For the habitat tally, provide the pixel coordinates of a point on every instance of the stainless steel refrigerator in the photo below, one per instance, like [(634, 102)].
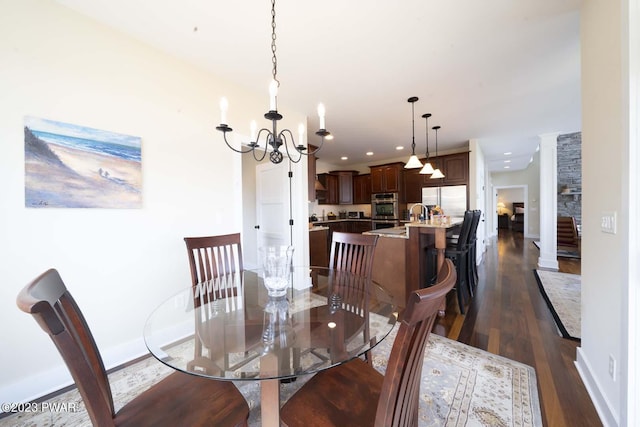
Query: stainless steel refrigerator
[(452, 199)]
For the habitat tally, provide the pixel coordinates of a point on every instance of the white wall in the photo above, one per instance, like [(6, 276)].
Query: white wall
[(604, 256), (119, 264), (478, 183)]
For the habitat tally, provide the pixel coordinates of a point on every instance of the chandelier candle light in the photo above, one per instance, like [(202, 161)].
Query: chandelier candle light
[(437, 173), (273, 139), (413, 162), (427, 169)]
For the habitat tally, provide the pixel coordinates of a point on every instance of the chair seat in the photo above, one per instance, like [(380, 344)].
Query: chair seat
[(356, 394), (346, 395), (179, 399)]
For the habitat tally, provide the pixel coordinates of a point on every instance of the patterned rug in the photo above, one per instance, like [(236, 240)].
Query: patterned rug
[(561, 291), (461, 386)]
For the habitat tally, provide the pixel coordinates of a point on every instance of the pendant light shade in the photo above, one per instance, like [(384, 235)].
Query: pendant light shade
[(437, 173), (427, 168), (413, 162)]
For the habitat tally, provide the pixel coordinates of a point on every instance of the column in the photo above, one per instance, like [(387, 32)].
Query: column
[(548, 201)]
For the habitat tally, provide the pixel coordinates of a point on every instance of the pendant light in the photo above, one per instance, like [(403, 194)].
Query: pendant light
[(437, 173), (413, 162), (427, 169)]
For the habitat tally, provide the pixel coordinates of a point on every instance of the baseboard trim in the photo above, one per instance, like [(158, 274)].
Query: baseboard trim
[(56, 380), (607, 416)]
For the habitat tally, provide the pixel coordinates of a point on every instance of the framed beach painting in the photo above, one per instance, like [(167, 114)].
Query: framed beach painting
[(73, 166)]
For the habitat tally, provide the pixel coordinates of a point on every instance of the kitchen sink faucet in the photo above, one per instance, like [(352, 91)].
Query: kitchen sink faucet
[(426, 210)]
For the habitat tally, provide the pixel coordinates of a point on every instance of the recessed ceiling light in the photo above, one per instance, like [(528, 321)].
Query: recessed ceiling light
[(508, 153), (344, 158), (507, 167), (329, 137), (507, 161), (369, 153), (531, 159), (399, 147)]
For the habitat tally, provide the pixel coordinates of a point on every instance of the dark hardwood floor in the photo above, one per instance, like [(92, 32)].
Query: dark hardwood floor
[(509, 317)]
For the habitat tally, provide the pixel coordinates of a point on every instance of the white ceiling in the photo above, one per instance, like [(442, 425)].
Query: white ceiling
[(500, 71)]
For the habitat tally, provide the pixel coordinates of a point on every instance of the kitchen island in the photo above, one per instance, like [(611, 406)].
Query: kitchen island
[(400, 261)]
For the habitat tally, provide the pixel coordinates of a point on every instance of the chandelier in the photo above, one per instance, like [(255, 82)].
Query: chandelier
[(272, 139)]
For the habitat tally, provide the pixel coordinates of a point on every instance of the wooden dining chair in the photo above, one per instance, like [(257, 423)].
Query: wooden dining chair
[(179, 399), (213, 256), (215, 263), (357, 394), (351, 266)]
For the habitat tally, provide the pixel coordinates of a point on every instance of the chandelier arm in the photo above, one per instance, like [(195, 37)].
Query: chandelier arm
[(309, 153), (257, 148), (224, 134), (285, 142)]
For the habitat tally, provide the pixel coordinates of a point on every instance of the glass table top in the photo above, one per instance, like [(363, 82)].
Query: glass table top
[(228, 327)]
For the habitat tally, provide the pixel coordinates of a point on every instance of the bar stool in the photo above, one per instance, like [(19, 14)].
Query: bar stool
[(459, 254)]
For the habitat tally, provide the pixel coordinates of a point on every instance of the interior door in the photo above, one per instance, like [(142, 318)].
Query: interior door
[(272, 205)]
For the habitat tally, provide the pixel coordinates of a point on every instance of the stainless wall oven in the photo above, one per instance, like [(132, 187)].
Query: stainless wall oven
[(384, 206)]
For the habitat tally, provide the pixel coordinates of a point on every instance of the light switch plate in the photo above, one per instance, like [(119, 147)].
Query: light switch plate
[(608, 222)]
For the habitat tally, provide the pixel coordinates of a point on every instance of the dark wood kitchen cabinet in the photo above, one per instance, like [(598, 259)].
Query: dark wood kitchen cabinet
[(345, 186), (386, 178), (362, 189), (330, 195), (318, 248), (413, 183), (311, 173), (456, 169)]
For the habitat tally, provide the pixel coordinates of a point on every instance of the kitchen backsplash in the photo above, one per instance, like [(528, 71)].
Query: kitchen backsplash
[(322, 211)]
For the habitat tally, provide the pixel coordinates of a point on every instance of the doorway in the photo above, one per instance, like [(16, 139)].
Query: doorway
[(511, 210)]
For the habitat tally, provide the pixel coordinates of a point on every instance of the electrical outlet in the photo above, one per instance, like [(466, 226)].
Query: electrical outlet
[(608, 222), (612, 367)]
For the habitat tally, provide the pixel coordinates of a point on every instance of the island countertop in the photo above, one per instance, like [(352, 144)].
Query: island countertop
[(402, 231)]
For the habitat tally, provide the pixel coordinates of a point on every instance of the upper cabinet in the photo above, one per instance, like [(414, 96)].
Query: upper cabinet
[(387, 178), (455, 168), (338, 188), (345, 186), (413, 183), (330, 194), (362, 189), (311, 171)]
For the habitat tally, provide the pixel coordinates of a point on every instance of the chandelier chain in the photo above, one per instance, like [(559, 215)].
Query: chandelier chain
[(274, 59)]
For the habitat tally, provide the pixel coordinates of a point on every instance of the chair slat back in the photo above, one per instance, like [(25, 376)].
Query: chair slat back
[(473, 232), (351, 263), (399, 400), (212, 258), (47, 299), (465, 231)]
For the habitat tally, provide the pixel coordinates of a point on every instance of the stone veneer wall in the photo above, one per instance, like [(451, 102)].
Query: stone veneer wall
[(570, 173)]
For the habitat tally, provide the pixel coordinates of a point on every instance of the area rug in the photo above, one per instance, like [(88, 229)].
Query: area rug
[(562, 253), (561, 291), (461, 386)]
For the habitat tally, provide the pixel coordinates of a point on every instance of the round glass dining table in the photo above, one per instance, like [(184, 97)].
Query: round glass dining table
[(229, 328)]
